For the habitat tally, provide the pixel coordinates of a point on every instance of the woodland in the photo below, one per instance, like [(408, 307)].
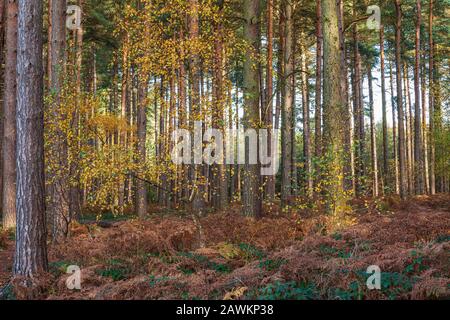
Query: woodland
[(351, 96)]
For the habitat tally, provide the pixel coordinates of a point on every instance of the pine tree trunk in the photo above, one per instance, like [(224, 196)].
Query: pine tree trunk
[(182, 114), (418, 151), (287, 106), (236, 182), (384, 107), (75, 189), (401, 127), (269, 180), (358, 106), (252, 199), (431, 101), (280, 66), (195, 70), (9, 118), (318, 90), (219, 183), (123, 112), (293, 86), (31, 236), (170, 144), (394, 133), (306, 125), (373, 136), (49, 44), (141, 202), (424, 124), (333, 111), (59, 189), (409, 131), (349, 166), (2, 86)]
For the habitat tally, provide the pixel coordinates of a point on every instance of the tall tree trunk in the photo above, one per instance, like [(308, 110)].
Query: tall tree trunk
[(401, 127), (409, 129), (252, 199), (318, 91), (373, 136), (141, 202), (431, 100), (287, 106), (418, 151), (280, 65), (171, 128), (49, 44), (306, 125), (293, 86), (333, 110), (424, 124), (384, 107), (394, 134), (75, 188), (349, 166), (182, 114), (123, 113), (219, 183), (3, 14), (269, 180), (59, 193), (195, 70), (3, 8), (31, 236), (9, 118), (358, 112), (163, 195)]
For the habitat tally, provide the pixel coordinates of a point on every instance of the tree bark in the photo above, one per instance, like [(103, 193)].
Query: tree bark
[(418, 151), (123, 113), (198, 180), (431, 100), (75, 187), (318, 91), (358, 107), (9, 118), (219, 183), (424, 124), (252, 199), (409, 129), (269, 180), (373, 136), (287, 106), (3, 14), (31, 237), (59, 189), (394, 134), (349, 166), (49, 44), (401, 128), (333, 110), (141, 202), (384, 107), (182, 114), (280, 65), (307, 153)]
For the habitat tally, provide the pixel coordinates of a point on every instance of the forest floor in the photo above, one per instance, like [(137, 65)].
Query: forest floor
[(300, 255)]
